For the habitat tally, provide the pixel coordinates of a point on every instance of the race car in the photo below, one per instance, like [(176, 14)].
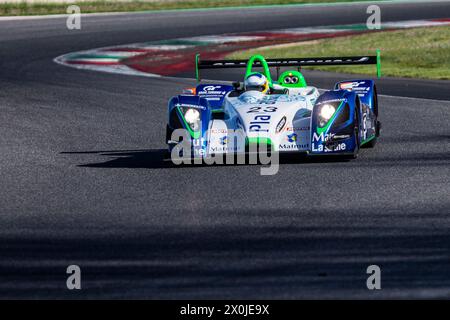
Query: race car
[(286, 115)]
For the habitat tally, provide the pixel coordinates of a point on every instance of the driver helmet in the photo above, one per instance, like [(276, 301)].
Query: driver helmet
[(256, 82)]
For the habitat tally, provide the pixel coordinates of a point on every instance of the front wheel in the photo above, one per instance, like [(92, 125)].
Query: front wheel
[(373, 142), (356, 133)]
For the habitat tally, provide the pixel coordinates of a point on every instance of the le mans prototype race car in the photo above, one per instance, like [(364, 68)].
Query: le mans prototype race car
[(289, 117)]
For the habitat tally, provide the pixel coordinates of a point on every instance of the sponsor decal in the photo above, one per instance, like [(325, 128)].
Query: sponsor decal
[(328, 137), (322, 137), (340, 147), (307, 128), (354, 86), (223, 149), (324, 143), (261, 121), (199, 147), (336, 147), (259, 124), (223, 140), (292, 144), (200, 142), (219, 131), (331, 101), (286, 146), (185, 105), (341, 136), (199, 152), (292, 137), (212, 90)]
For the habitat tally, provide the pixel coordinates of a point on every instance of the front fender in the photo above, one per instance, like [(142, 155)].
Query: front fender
[(365, 89), (176, 109), (336, 134)]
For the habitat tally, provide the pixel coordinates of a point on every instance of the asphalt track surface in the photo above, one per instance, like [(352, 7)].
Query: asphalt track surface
[(83, 181)]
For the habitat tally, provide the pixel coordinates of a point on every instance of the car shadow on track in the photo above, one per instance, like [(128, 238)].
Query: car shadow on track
[(160, 158)]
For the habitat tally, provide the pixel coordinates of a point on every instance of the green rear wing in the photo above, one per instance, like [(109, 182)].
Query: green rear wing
[(259, 61)]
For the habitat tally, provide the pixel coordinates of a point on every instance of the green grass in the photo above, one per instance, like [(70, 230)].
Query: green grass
[(24, 8), (413, 53)]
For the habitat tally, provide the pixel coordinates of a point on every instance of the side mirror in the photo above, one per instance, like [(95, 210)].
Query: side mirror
[(236, 85)]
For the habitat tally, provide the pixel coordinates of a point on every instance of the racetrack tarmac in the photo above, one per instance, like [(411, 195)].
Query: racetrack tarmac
[(83, 181)]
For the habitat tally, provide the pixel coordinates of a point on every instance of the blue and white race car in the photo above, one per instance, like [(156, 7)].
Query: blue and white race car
[(285, 115)]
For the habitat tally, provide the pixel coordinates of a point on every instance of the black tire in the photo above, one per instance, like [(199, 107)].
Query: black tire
[(375, 101), (356, 121), (371, 143), (168, 133)]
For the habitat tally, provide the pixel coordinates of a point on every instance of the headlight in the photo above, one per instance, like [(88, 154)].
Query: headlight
[(192, 117), (327, 111)]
